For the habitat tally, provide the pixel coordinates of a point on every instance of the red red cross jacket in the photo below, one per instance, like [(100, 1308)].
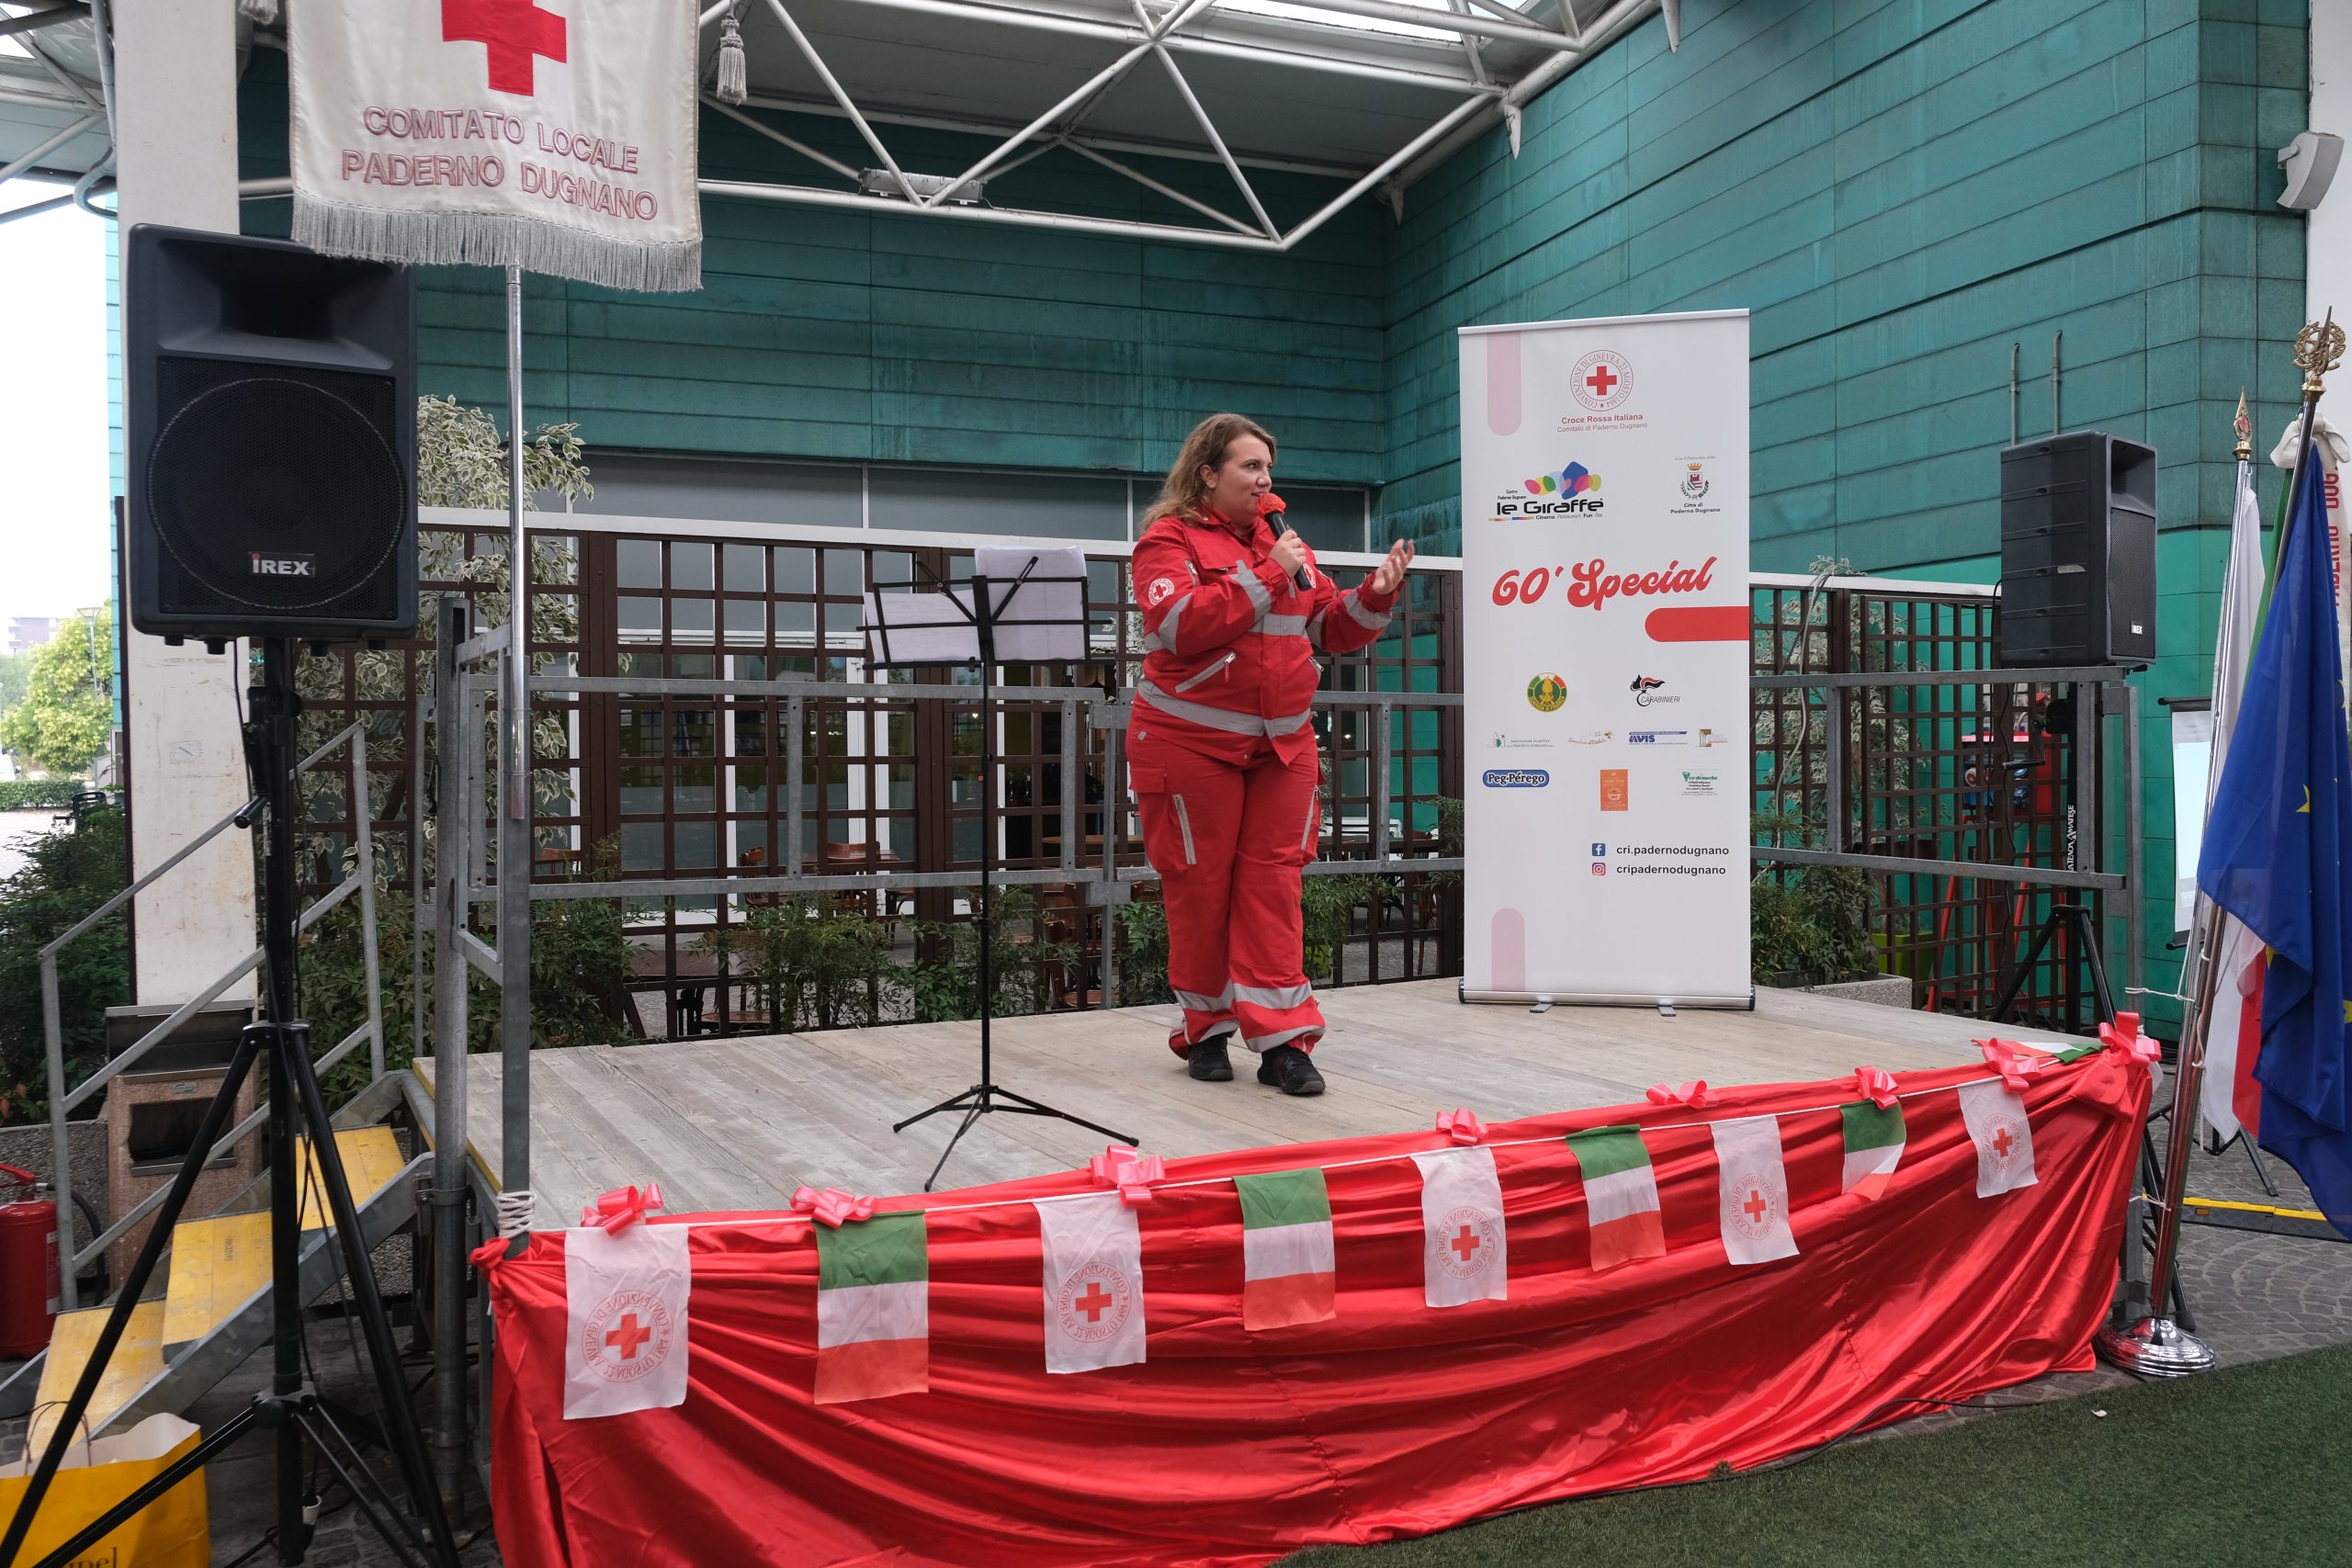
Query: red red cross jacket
[(1230, 642)]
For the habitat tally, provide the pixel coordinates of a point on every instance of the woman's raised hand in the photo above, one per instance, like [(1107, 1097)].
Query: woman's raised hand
[(1389, 575)]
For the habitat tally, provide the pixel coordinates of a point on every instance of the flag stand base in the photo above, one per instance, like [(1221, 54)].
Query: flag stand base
[(2154, 1348)]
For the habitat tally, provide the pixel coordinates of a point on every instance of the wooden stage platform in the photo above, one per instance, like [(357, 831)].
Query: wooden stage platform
[(738, 1124)]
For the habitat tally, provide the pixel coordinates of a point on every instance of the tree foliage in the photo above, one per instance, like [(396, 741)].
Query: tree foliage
[(65, 875), (16, 679), (61, 723)]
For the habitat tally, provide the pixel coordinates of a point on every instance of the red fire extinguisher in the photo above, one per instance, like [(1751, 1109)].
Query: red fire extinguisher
[(28, 1281)]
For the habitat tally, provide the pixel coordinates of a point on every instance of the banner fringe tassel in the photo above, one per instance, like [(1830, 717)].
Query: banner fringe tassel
[(335, 227), (734, 85)]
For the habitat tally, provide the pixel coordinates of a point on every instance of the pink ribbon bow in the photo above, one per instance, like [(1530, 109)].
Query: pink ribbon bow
[(615, 1211), (2007, 1058), (1695, 1094), (1130, 1171), (831, 1208), (1875, 1084), (1461, 1125), (2125, 1035)]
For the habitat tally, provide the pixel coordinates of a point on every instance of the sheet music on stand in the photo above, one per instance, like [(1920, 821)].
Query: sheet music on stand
[(1036, 613)]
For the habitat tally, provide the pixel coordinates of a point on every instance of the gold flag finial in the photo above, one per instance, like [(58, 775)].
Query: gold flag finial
[(2245, 427), (2319, 348)]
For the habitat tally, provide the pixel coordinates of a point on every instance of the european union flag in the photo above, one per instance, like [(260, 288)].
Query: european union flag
[(2274, 856)]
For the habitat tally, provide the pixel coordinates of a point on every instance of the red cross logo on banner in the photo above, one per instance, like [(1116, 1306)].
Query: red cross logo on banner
[(1601, 380), (516, 32), (2003, 1142), (629, 1337), (1756, 1207), (1465, 1244), (1095, 1302)]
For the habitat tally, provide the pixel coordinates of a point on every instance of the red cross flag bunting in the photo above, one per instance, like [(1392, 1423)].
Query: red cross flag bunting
[(626, 1320), (1093, 1256), (1996, 1126), (1465, 1255), (1752, 1191), (554, 135)]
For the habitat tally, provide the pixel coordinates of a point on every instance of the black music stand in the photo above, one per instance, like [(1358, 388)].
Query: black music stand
[(964, 638)]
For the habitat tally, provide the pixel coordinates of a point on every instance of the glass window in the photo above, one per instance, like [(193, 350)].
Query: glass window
[(727, 490), (690, 565), (1076, 506), (746, 569), (640, 562)]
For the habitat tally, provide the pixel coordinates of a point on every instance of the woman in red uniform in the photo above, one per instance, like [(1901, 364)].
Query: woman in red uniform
[(1221, 754)]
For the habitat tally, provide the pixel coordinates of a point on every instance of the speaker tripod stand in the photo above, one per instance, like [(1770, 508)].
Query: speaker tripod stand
[(302, 1422)]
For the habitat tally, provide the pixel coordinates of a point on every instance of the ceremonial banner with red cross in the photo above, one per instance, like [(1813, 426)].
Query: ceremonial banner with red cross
[(554, 135), (1207, 1441)]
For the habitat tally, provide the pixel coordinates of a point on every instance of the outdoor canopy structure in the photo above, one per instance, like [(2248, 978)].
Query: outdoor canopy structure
[(1375, 93)]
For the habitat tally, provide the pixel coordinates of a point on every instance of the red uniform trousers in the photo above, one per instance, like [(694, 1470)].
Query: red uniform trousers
[(1228, 842)]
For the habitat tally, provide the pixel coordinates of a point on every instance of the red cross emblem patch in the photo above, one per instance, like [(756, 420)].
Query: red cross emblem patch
[(517, 34)]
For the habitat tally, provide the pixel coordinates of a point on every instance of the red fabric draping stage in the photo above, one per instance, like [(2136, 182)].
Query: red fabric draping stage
[(1392, 1417)]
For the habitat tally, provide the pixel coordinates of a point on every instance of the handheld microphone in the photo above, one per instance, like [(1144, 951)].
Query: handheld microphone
[(1272, 507)]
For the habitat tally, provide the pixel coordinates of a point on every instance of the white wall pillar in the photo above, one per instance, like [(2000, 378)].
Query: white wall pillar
[(2327, 233), (176, 120)]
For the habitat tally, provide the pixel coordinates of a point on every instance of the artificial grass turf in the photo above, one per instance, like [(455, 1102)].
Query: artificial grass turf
[(2253, 1465)]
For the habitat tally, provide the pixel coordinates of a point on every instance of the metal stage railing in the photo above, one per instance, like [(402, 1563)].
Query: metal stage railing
[(361, 881), (2000, 700)]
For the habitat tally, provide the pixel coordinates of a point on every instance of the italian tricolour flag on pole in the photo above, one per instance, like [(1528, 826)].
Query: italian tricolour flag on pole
[(872, 1308), (1873, 1146), (1289, 1274), (1619, 1196)]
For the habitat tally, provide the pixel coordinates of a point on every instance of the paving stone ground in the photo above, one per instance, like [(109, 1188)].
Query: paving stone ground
[(2254, 1295)]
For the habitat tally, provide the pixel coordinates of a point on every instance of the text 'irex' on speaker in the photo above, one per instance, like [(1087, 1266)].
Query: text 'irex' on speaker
[(270, 425), (2079, 552)]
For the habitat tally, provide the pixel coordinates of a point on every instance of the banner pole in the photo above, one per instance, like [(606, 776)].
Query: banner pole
[(514, 835)]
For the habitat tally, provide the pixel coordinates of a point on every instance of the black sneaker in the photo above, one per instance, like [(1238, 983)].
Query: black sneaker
[(1209, 1062), (1289, 1069)]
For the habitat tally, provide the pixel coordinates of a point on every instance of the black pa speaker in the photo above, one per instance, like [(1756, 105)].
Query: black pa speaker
[(269, 412), (2079, 552)]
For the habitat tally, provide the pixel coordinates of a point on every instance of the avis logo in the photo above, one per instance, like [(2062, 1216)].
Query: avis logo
[(1517, 778), (260, 565), (1648, 691)]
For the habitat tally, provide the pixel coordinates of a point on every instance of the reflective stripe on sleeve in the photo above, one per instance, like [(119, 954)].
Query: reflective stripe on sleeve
[(1370, 620)]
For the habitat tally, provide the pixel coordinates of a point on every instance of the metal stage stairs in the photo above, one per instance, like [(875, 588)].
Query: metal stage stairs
[(215, 1312)]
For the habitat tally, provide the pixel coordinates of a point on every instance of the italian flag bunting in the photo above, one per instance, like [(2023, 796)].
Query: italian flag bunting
[(1289, 1275), (1465, 1257), (1752, 1198), (1996, 1124), (1619, 1196), (872, 1308), (1873, 1145)]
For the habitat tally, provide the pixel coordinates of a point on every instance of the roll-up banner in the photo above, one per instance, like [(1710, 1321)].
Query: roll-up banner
[(1605, 655)]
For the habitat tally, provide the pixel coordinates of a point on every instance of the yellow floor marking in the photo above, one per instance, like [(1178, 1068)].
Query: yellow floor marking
[(217, 1265), (137, 1362), (371, 1157), (2253, 1208)]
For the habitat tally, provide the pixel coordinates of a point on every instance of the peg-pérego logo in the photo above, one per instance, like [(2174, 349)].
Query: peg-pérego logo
[(260, 565)]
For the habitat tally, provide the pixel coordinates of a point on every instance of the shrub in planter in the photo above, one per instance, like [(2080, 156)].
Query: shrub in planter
[(1812, 929)]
